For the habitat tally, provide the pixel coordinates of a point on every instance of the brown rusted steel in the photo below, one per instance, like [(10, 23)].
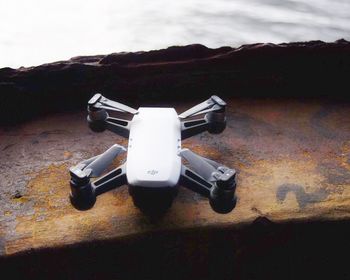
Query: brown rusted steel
[(292, 158)]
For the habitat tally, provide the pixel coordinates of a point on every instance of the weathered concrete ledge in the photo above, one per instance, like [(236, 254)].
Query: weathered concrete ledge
[(295, 69)]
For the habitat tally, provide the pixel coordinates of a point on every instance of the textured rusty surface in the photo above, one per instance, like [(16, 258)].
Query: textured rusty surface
[(292, 158)]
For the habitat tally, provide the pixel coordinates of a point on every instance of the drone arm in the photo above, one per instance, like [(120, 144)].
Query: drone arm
[(113, 179), (98, 101), (211, 179), (214, 120), (194, 182), (83, 192), (193, 127), (94, 167), (118, 126), (99, 119), (214, 103)]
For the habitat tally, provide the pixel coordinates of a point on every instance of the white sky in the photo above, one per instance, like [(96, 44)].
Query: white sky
[(38, 31)]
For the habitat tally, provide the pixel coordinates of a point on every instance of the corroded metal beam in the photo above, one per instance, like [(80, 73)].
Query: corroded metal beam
[(292, 159)]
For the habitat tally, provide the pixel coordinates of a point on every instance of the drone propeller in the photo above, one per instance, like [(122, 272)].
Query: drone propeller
[(100, 102), (95, 166), (200, 165), (99, 163), (214, 103)]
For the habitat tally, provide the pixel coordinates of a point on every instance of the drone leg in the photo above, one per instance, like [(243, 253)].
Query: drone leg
[(99, 119), (211, 179), (83, 197), (112, 180), (193, 127), (83, 192), (194, 182), (213, 122)]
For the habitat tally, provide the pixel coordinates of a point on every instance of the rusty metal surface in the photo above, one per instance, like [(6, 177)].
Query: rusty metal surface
[(292, 158)]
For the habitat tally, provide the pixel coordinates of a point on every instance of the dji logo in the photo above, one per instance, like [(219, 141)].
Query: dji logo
[(152, 172)]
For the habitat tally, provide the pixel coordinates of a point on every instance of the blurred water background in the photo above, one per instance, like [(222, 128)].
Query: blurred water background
[(39, 31)]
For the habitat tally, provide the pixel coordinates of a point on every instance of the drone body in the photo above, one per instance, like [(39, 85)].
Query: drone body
[(154, 145), (153, 168)]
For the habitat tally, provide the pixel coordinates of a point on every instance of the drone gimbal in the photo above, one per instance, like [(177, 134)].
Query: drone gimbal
[(153, 167)]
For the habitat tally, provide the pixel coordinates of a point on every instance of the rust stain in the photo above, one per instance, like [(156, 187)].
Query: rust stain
[(67, 154), (292, 162), (21, 199), (53, 214)]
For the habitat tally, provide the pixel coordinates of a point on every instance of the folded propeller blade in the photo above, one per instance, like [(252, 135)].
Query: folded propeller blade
[(214, 103), (110, 105), (101, 102), (101, 162), (199, 164)]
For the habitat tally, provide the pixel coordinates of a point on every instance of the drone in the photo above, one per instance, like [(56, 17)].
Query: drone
[(155, 164)]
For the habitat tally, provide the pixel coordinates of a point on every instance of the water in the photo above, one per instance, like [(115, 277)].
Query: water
[(40, 31)]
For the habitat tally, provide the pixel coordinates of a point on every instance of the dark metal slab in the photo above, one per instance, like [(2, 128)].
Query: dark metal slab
[(292, 158)]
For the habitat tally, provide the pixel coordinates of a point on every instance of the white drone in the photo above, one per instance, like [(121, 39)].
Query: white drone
[(153, 168)]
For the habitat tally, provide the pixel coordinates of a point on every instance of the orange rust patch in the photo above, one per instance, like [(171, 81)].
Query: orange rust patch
[(67, 155), (202, 149), (288, 156), (22, 199), (55, 221)]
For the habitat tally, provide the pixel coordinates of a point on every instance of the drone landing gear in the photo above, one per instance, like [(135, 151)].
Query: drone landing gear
[(82, 194), (83, 191), (153, 200), (222, 196), (209, 178)]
